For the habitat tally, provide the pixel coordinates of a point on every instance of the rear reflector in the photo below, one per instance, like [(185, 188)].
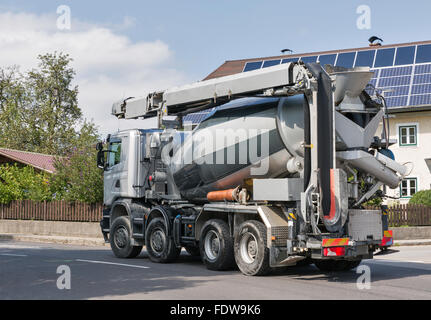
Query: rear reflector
[(335, 242), (387, 239), (334, 251)]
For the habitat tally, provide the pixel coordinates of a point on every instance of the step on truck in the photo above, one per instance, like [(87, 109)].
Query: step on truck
[(276, 174)]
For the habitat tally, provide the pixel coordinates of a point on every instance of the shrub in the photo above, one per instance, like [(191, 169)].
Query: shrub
[(421, 197), (22, 183)]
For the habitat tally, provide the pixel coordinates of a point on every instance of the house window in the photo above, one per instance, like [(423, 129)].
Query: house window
[(408, 187), (408, 135)]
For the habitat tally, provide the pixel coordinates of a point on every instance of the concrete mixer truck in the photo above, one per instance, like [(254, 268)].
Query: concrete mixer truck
[(276, 175)]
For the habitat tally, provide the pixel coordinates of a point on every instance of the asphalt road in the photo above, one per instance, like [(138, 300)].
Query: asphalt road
[(29, 271)]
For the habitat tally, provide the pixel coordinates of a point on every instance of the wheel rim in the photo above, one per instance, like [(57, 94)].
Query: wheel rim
[(212, 245), (158, 240), (248, 247), (121, 237)]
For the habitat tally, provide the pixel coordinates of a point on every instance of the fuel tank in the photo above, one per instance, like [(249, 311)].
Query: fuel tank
[(257, 137)]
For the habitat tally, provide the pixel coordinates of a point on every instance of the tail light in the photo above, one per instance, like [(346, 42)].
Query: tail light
[(334, 251)]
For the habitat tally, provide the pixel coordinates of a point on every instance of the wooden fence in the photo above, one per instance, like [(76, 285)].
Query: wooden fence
[(409, 215), (51, 211), (399, 215)]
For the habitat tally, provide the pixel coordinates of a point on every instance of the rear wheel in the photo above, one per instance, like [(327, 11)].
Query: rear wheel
[(121, 239), (251, 252), (160, 247), (216, 245)]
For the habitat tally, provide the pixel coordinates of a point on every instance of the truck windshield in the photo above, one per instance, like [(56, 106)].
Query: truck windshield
[(114, 155)]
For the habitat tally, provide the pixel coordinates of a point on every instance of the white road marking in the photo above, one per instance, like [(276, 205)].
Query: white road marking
[(17, 246), (398, 261), (113, 263), (13, 255)]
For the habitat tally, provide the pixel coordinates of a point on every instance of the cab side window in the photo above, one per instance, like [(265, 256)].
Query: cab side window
[(114, 155)]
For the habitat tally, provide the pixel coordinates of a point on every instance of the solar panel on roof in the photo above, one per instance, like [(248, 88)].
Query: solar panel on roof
[(394, 81), (384, 58), (345, 59), (289, 60), (309, 59), (396, 91), (422, 78), (365, 58), (395, 69), (417, 100), (421, 88), (425, 68), (423, 53), (249, 66), (405, 55), (397, 101), (327, 59), (270, 63)]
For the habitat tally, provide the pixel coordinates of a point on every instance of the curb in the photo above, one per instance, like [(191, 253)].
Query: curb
[(416, 242), (54, 239)]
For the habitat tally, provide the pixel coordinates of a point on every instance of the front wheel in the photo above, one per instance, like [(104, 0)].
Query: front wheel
[(160, 247), (251, 252), (121, 240)]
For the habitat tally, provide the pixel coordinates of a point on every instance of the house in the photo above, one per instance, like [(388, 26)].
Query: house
[(40, 162), (403, 73)]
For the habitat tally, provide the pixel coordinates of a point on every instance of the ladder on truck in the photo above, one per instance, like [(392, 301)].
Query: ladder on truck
[(284, 79)]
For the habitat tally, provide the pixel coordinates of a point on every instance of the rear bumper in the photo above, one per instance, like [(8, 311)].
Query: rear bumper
[(351, 250)]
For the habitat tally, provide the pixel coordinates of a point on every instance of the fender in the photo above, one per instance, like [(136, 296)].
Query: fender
[(168, 215), (133, 210), (125, 203)]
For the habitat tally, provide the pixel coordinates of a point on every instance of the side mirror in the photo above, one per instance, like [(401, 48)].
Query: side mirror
[(99, 146), (101, 159)]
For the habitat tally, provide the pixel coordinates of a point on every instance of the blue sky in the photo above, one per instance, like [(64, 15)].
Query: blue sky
[(195, 37)]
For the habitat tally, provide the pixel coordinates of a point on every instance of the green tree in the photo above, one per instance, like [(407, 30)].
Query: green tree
[(13, 100), (39, 112), (53, 112), (77, 177)]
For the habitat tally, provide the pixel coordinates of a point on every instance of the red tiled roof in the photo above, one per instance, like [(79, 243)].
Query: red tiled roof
[(39, 161)]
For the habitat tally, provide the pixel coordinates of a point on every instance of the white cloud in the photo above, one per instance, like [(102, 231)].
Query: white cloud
[(109, 65)]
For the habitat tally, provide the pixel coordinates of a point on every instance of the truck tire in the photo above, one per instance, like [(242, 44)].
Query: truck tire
[(336, 265), (193, 251), (121, 239), (160, 247), (216, 245), (251, 252)]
